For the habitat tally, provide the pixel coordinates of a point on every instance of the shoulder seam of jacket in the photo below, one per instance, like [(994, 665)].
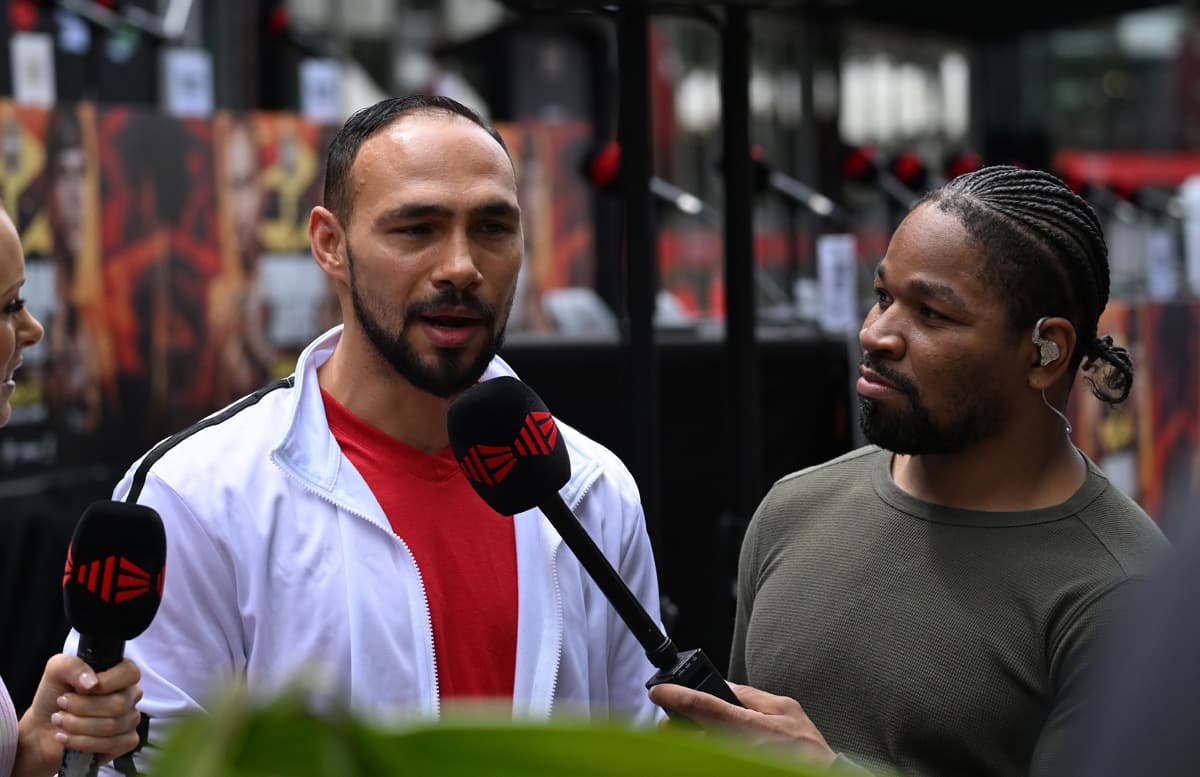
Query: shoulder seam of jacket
[(160, 450)]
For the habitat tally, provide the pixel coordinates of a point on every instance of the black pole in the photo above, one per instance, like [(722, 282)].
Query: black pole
[(641, 271), (741, 351), (233, 32)]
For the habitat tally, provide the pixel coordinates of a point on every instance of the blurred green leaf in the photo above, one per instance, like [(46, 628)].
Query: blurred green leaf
[(286, 738)]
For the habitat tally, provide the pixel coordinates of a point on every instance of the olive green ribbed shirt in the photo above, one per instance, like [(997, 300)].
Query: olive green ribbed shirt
[(934, 641)]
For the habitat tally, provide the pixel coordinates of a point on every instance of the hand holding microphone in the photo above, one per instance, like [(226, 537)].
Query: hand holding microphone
[(112, 586), (510, 449), (81, 709)]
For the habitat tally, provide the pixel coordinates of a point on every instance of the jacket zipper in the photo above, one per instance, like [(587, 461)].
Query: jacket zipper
[(437, 693), (558, 614), (558, 611)]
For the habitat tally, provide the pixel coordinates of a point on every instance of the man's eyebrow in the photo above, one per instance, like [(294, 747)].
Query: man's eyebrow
[(939, 291), (502, 208), (943, 292), (417, 210)]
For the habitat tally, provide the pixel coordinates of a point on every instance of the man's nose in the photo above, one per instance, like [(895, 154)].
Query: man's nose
[(456, 266), (880, 334)]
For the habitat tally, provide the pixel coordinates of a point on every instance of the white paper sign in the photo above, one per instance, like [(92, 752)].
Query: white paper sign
[(187, 82), (836, 265), (1162, 264), (1189, 196), (32, 58), (321, 90), (1126, 258)]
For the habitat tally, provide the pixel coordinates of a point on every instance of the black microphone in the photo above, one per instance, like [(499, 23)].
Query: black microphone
[(112, 586), (510, 449)]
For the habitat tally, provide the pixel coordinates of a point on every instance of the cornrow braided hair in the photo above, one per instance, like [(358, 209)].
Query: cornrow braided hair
[(1045, 252)]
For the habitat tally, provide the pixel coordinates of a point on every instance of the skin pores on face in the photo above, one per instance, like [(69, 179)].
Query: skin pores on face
[(435, 244), (18, 328), (939, 371)]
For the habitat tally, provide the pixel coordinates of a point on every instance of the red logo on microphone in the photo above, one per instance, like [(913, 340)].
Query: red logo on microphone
[(114, 579), (490, 464)]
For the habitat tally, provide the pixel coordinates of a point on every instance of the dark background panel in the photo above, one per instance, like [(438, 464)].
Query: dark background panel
[(804, 417)]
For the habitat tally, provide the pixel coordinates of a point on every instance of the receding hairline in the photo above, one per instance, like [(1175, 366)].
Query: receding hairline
[(431, 112), (350, 194)]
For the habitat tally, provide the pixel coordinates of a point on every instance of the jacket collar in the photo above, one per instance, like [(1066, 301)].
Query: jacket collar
[(308, 450)]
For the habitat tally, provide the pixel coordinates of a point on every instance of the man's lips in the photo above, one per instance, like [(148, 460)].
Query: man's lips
[(451, 321), (874, 386), (451, 328), (451, 317)]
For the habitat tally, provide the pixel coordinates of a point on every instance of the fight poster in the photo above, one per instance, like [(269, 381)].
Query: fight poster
[(28, 445), (270, 299), (1149, 446), (556, 213), (159, 254)]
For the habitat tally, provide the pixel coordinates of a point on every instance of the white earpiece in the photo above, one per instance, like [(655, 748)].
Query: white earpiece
[(1048, 352)]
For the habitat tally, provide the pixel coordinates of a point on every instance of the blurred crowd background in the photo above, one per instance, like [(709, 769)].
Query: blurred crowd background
[(160, 158)]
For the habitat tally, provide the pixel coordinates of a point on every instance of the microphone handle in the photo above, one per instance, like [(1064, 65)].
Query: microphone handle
[(691, 668), (100, 654), (659, 648)]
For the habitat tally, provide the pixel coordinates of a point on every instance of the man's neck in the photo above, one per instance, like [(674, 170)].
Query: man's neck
[(372, 391), (996, 476)]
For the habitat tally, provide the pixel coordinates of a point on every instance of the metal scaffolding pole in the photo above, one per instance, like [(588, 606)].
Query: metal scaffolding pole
[(641, 272), (741, 349)]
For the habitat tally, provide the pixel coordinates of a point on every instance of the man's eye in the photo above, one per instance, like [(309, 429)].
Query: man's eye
[(932, 314), (882, 296)]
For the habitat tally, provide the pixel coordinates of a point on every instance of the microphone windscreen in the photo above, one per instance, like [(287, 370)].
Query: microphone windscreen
[(113, 580), (508, 445)]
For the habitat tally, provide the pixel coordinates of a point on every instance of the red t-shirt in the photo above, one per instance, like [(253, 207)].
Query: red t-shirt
[(466, 553)]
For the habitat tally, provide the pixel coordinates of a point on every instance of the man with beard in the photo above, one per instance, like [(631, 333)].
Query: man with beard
[(321, 527), (930, 604)]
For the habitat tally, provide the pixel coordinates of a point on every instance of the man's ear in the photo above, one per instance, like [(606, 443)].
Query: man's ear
[(328, 242), (1051, 343)]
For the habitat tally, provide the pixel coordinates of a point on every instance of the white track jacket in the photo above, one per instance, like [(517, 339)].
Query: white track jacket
[(281, 565)]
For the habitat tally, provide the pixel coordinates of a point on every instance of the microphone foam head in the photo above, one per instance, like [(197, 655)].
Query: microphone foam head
[(113, 580), (508, 445)]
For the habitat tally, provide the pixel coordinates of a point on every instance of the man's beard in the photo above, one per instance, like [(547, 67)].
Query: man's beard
[(913, 429), (448, 375)]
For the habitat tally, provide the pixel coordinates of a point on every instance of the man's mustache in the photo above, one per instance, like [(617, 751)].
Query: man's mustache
[(451, 298)]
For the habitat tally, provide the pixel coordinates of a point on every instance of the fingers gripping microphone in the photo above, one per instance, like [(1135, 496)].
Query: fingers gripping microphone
[(510, 449), (112, 585)]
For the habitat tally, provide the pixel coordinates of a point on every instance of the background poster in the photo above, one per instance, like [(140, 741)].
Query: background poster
[(28, 445), (160, 253), (1149, 446)]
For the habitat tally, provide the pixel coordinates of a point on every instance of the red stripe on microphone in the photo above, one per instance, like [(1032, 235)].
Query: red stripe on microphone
[(132, 593), (134, 569), (503, 471), (106, 592), (487, 478), (537, 434)]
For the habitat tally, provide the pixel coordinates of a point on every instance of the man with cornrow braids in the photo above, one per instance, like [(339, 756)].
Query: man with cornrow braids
[(930, 604)]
